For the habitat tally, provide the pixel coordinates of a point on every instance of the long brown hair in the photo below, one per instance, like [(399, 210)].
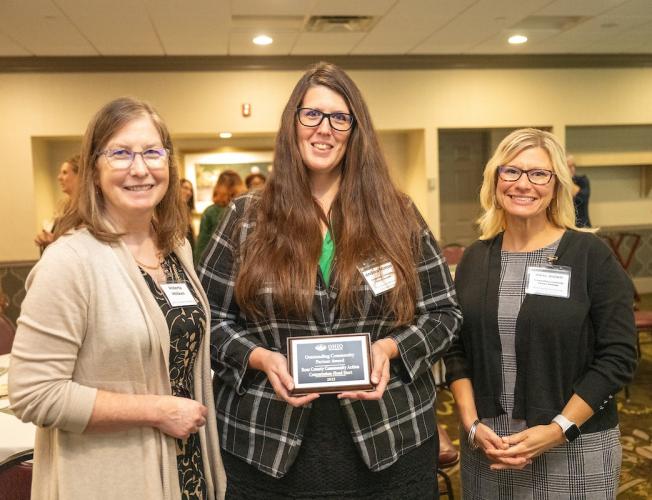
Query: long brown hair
[(370, 219), (87, 209)]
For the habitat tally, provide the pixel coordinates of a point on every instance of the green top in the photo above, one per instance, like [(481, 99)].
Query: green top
[(326, 258), (210, 220)]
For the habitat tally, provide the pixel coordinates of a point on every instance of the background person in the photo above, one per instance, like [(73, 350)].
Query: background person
[(284, 263), (536, 362), (68, 174), (229, 185), (188, 199), (255, 181), (581, 191), (114, 373)]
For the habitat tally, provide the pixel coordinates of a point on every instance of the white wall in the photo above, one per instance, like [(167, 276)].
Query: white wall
[(202, 103)]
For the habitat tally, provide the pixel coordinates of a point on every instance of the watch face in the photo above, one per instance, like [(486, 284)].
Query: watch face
[(572, 433)]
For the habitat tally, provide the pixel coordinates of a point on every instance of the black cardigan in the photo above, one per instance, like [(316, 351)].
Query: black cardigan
[(583, 345)]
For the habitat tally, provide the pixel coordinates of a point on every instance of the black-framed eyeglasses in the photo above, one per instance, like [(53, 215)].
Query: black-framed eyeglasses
[(538, 176), (122, 158), (309, 117)]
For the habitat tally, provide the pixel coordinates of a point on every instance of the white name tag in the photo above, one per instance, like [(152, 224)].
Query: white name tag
[(551, 281), (379, 278), (178, 294)]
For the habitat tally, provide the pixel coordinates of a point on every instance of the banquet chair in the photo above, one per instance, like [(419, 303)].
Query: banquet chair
[(16, 476), (7, 332), (643, 321), (453, 254)]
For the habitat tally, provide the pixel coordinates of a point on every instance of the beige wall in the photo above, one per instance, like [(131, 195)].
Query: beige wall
[(201, 103)]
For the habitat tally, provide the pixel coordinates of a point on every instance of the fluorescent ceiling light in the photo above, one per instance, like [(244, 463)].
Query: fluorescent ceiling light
[(517, 39), (262, 40), (225, 135)]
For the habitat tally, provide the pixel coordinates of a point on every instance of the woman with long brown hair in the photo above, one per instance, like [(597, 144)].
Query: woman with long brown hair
[(287, 262)]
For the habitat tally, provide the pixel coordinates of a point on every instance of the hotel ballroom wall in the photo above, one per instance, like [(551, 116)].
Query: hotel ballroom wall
[(43, 115)]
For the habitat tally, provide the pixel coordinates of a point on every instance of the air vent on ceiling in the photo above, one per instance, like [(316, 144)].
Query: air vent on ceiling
[(339, 24)]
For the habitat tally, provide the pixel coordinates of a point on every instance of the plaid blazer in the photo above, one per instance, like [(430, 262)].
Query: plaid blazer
[(266, 432)]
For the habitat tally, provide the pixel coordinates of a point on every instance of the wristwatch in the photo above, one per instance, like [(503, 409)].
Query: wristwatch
[(570, 430)]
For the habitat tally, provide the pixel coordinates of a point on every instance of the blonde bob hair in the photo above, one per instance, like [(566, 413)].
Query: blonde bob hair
[(88, 207), (560, 212)]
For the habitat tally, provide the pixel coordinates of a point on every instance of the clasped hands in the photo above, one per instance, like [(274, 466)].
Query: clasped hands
[(274, 364), (518, 450)]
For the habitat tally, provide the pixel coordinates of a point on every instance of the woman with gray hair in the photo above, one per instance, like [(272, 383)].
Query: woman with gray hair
[(548, 336)]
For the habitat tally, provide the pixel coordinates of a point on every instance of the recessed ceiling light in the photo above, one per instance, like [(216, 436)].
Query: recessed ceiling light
[(225, 135), (263, 40), (517, 39)]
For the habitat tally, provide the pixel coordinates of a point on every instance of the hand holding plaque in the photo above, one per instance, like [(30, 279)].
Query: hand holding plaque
[(330, 364)]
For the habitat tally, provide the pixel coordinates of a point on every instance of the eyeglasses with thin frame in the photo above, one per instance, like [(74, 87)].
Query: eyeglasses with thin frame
[(538, 176), (122, 158), (309, 117)]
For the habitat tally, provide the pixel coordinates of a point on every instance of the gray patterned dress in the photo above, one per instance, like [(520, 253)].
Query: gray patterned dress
[(588, 467)]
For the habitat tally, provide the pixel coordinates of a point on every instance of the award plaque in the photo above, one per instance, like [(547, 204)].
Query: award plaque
[(330, 364)]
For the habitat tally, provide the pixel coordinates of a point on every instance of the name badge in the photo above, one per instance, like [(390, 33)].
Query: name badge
[(551, 281), (178, 294), (379, 278)]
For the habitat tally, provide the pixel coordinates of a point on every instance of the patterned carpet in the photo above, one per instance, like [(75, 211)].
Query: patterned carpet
[(635, 425)]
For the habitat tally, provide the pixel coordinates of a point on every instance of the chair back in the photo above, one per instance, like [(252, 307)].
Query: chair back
[(16, 476), (453, 253), (7, 332)]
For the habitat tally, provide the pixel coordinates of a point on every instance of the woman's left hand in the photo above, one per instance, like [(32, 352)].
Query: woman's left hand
[(381, 352), (529, 443)]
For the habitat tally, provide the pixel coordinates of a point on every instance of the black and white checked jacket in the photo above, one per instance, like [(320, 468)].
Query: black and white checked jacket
[(263, 430)]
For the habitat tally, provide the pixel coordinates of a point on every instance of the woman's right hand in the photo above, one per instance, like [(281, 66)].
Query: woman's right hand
[(179, 417), (275, 366), (487, 440)]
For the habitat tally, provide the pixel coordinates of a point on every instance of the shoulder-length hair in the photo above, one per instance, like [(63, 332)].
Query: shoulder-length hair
[(88, 207), (229, 185), (560, 212), (370, 220)]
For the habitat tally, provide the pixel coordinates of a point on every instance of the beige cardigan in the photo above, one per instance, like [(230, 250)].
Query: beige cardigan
[(88, 322)]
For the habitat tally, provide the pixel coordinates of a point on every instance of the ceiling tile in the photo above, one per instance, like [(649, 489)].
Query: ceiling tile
[(409, 23), (633, 8), (42, 29), (271, 8), (114, 27), (9, 48), (325, 43), (479, 22), (202, 30), (578, 7), (349, 8)]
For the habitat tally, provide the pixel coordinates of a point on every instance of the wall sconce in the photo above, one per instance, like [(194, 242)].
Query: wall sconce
[(246, 109)]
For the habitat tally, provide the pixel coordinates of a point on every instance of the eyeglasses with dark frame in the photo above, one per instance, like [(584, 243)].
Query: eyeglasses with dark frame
[(309, 117), (122, 158), (537, 176)]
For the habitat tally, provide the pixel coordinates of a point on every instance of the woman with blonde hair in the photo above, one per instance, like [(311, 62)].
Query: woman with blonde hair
[(547, 339), (229, 185), (111, 354), (68, 180)]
